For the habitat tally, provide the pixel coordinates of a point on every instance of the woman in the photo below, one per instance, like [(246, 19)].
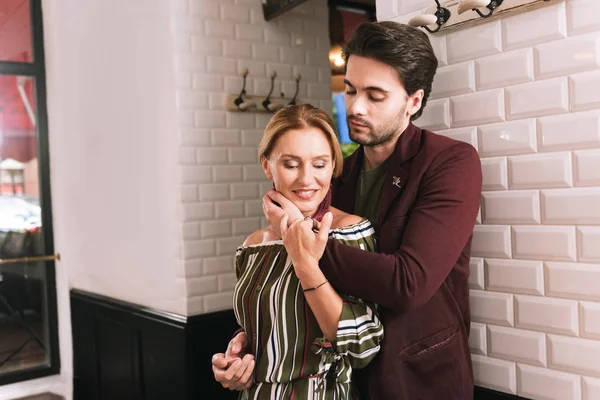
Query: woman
[(304, 336)]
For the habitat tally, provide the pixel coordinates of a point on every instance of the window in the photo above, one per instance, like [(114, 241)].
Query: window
[(28, 317)]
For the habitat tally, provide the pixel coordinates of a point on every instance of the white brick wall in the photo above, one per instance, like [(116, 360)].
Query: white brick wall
[(525, 91), (221, 182)]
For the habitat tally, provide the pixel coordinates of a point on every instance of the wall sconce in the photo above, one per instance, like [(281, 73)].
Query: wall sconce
[(439, 18), (467, 5)]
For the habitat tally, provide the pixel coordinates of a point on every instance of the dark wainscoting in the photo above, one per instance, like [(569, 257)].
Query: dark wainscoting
[(125, 351)]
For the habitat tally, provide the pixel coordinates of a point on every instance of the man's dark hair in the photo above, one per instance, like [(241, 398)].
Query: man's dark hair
[(406, 49)]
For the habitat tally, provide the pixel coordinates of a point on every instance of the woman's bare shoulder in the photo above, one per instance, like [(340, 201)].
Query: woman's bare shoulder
[(342, 219), (260, 236)]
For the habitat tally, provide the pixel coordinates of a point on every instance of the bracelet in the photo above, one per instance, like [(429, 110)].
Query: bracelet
[(316, 287)]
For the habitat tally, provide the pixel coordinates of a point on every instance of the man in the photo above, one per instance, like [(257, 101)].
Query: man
[(422, 191)]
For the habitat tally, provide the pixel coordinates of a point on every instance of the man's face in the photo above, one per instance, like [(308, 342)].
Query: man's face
[(378, 107)]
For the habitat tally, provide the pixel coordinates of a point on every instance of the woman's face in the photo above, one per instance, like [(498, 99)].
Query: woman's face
[(301, 165)]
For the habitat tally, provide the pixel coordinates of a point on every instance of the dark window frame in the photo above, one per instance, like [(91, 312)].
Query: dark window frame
[(37, 70)]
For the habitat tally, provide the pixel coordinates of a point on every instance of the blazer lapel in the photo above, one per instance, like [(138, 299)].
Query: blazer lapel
[(399, 168)]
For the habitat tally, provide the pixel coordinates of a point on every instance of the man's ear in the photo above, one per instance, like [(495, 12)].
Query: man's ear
[(414, 102), (265, 164)]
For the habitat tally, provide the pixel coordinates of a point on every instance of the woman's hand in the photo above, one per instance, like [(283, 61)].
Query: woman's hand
[(274, 213), (304, 246)]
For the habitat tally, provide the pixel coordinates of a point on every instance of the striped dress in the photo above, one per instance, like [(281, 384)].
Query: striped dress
[(293, 359)]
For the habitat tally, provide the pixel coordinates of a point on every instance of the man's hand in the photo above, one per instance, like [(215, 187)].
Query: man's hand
[(274, 213), (234, 369)]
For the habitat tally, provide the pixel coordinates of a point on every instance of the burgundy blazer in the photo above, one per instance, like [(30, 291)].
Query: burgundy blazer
[(427, 210)]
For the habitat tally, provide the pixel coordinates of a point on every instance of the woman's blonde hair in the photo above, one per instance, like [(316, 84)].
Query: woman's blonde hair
[(301, 116)]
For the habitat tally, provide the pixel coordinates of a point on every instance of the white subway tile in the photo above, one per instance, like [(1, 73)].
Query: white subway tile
[(478, 108), (476, 275), (544, 243), (468, 134), (507, 138), (582, 18), (306, 40), (185, 63), (571, 206), (191, 230), (584, 90), (542, 383), (195, 174), (492, 308), (198, 248), (251, 138), (212, 229), (265, 52), (211, 156), (218, 265), (308, 74), (196, 211), (491, 241), (227, 282), (247, 190), (546, 315), (590, 320), (183, 80), (209, 119), (219, 29), (237, 49), (239, 120), (478, 339), (538, 26), (440, 49), (573, 281), (436, 115), (588, 238), (217, 101), (228, 245), (517, 345), (192, 268), (218, 302), (291, 23), (254, 173), (186, 155), (242, 155), (205, 9), (494, 170), (386, 10), (591, 388), (494, 374), (536, 99), (453, 80), (236, 13), (275, 36), (537, 171), (220, 65), (229, 209), (245, 226), (586, 167), (567, 56), (250, 33), (583, 128), (514, 276), (227, 173), (207, 46), (191, 99), (214, 192), (225, 137), (253, 208), (292, 56), (511, 207), (188, 193), (319, 91), (574, 355), (185, 118), (317, 59), (194, 137), (202, 285), (407, 6), (505, 69), (195, 305), (475, 42)]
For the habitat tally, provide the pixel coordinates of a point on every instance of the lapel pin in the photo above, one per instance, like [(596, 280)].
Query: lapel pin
[(397, 181)]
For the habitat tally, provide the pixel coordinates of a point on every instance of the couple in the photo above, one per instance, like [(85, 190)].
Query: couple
[(306, 288)]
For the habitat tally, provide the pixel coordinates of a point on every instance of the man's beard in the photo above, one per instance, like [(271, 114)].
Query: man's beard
[(375, 136)]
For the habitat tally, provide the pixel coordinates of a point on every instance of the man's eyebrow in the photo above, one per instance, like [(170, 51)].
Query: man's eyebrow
[(368, 88)]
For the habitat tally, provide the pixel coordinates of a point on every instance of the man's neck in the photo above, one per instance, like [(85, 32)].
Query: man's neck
[(376, 155)]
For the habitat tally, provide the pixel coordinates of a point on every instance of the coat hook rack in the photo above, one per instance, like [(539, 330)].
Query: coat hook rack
[(242, 103), (297, 79), (267, 103)]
